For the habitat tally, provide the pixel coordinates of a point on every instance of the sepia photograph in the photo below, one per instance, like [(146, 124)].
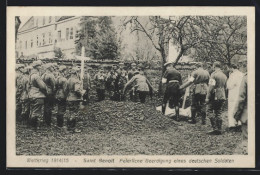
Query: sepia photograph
[(140, 84)]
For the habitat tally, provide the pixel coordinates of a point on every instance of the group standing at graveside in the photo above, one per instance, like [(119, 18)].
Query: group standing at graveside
[(41, 87)]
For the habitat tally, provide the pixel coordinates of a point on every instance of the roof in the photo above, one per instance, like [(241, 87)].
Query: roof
[(63, 18), (29, 24)]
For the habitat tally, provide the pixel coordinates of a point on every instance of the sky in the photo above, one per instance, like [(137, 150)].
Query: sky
[(24, 19)]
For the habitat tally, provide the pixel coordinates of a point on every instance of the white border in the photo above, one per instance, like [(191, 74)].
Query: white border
[(245, 161)]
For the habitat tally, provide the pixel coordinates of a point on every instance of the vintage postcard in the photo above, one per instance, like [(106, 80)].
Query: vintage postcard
[(161, 87)]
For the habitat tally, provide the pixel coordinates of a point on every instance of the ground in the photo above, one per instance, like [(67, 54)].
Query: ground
[(126, 128)]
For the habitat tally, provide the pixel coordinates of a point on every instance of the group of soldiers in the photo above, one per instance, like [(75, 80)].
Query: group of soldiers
[(40, 87), (208, 93)]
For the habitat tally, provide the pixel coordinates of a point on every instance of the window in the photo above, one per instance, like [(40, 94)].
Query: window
[(71, 33), (50, 38), (37, 38), (67, 33), (25, 45), (43, 21), (43, 39), (31, 43), (50, 19), (59, 35)]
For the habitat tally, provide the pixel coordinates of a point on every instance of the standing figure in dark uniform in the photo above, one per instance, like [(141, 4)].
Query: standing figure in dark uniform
[(130, 75), (73, 99), (199, 78), (121, 81), (37, 91), (86, 87), (49, 79), (19, 89), (25, 95), (172, 93), (100, 84), (216, 97), (141, 84), (61, 87)]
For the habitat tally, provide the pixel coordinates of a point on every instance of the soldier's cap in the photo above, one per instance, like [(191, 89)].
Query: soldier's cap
[(121, 63), (136, 72), (48, 66), (133, 64), (62, 68), (36, 63), (73, 70), (19, 66), (168, 63), (27, 69), (199, 64)]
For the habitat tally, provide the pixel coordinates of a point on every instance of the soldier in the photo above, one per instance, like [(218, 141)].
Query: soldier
[(86, 87), (130, 75), (74, 92), (100, 84), (121, 81), (37, 91), (111, 79), (173, 80), (216, 97), (141, 84), (25, 95), (19, 77), (61, 87), (49, 79), (199, 78), (241, 112)]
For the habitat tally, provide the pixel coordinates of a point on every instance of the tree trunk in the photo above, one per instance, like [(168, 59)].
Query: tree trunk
[(179, 56), (160, 90)]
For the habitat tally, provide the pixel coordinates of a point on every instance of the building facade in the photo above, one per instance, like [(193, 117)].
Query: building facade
[(43, 36)]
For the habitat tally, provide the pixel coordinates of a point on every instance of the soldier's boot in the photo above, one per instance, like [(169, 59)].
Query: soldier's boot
[(177, 113), (219, 126), (213, 124), (60, 120), (163, 108), (193, 115), (68, 124), (203, 118), (35, 124)]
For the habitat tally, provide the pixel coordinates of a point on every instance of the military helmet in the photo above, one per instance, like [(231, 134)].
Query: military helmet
[(48, 65), (19, 66), (62, 68), (121, 64), (133, 64), (36, 63), (136, 72), (27, 69), (168, 63)]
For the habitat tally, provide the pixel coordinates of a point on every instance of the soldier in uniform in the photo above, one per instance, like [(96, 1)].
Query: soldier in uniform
[(241, 112), (121, 81), (199, 78), (74, 92), (19, 77), (173, 80), (130, 75), (37, 91), (216, 97), (111, 79), (49, 79), (25, 95), (86, 87), (61, 87), (142, 85), (100, 84)]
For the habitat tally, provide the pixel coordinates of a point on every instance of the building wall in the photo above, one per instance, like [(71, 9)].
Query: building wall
[(42, 38)]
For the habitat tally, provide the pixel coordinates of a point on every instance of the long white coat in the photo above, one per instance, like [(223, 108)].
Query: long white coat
[(233, 84)]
